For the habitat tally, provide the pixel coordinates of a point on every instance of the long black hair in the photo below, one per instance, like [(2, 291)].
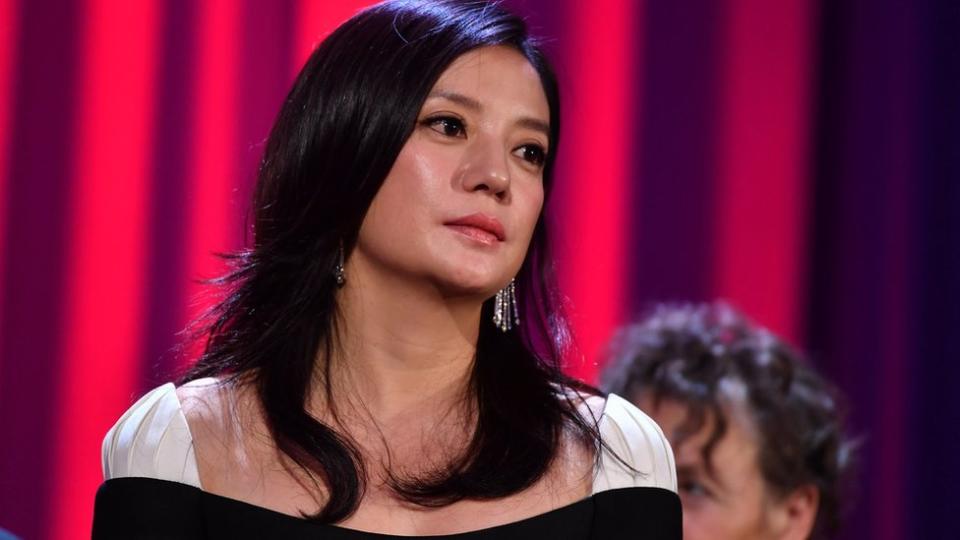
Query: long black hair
[(349, 113)]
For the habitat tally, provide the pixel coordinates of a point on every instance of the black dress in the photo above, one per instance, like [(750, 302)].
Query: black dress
[(159, 509), (153, 488)]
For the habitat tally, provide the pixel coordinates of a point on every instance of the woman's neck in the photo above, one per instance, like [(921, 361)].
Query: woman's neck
[(403, 348)]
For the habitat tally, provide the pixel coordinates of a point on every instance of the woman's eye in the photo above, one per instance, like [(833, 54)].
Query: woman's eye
[(447, 125), (532, 153)]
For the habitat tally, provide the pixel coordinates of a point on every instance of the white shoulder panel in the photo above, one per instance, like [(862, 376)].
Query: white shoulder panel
[(638, 442), (152, 440)]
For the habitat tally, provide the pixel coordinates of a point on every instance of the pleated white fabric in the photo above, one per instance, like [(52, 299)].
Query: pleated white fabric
[(645, 457), (152, 440)]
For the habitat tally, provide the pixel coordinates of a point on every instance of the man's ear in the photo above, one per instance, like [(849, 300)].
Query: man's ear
[(795, 514)]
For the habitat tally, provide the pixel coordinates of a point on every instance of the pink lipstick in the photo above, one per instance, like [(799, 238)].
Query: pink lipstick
[(480, 227)]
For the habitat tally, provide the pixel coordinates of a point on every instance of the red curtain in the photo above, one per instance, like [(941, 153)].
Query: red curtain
[(710, 149)]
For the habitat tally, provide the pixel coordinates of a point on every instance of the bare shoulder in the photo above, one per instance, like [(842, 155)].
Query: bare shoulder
[(590, 406), (216, 404), (217, 412), (236, 456), (591, 409), (203, 400), (576, 455)]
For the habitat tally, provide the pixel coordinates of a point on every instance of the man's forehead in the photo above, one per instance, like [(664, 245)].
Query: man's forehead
[(689, 433)]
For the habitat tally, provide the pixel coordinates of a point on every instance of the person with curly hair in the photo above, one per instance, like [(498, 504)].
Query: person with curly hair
[(758, 435)]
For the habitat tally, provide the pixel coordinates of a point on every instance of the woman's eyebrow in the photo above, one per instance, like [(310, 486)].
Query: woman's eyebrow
[(534, 124), (455, 97)]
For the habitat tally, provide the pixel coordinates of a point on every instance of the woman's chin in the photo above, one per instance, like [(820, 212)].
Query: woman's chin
[(467, 285), (466, 273)]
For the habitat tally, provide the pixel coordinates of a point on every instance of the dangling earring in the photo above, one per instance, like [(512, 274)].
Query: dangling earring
[(338, 270), (506, 314)]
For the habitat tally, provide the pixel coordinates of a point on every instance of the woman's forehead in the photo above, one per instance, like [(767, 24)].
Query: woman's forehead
[(489, 74)]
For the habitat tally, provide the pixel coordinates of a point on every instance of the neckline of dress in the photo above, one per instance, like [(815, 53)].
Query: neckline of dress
[(585, 409), (303, 522)]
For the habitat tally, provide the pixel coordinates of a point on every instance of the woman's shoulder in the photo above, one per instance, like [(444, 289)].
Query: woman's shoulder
[(152, 438), (635, 453)]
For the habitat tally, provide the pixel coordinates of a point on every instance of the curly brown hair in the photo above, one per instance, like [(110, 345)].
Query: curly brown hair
[(684, 353)]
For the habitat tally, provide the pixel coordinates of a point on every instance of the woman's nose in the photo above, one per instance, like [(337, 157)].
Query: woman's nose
[(486, 169)]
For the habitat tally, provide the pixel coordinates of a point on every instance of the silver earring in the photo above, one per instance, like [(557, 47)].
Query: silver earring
[(506, 314), (338, 270)]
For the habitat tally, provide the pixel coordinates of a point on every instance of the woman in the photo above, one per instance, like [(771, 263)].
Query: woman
[(368, 371)]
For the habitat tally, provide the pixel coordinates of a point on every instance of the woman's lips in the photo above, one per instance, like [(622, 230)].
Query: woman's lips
[(480, 227), (480, 235)]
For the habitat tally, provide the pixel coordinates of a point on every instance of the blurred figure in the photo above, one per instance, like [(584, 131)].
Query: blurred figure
[(758, 436)]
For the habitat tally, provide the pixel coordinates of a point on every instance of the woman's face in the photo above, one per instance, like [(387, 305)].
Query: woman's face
[(459, 206)]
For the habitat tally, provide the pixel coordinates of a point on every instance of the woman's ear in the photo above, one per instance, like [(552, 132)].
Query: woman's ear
[(793, 516)]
